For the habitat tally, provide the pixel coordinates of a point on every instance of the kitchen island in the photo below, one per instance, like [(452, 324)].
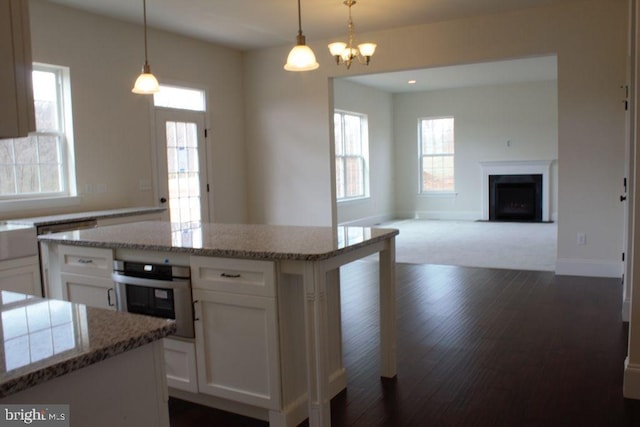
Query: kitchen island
[(267, 307), (106, 366)]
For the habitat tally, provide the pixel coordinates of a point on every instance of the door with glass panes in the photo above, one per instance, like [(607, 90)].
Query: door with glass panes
[(182, 178)]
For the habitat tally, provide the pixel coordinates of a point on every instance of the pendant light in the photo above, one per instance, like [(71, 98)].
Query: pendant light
[(301, 57), (146, 83)]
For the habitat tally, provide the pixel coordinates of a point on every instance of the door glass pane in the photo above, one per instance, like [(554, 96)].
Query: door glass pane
[(184, 174)]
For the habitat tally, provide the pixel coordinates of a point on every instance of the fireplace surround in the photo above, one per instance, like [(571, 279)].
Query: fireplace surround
[(522, 183)]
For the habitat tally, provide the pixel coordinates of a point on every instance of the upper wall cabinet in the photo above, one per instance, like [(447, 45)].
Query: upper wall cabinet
[(17, 115)]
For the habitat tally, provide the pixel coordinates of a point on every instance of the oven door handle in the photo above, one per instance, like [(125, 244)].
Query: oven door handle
[(154, 283)]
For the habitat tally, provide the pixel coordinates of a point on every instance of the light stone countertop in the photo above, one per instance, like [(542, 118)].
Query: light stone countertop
[(46, 338), (253, 241), (84, 216)]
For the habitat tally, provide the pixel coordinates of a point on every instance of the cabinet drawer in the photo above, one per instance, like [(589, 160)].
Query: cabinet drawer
[(180, 362), (237, 276), (89, 261)]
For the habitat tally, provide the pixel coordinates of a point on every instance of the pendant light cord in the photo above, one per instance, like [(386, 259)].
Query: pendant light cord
[(144, 14), (299, 19)]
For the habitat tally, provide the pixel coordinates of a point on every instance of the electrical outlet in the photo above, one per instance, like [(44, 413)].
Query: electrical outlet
[(582, 239)]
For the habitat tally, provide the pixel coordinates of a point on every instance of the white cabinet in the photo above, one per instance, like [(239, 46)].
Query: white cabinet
[(21, 275), (236, 330), (16, 103), (180, 364), (85, 276), (89, 290)]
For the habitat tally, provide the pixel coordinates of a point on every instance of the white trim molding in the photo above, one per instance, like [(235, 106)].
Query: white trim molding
[(517, 167), (448, 215), (589, 268), (631, 381)]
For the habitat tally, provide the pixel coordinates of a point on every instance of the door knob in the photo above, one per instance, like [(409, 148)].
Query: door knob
[(163, 200), (623, 198)]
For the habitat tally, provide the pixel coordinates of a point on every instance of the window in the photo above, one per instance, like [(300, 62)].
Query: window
[(352, 155), (180, 98), (436, 154), (37, 166)]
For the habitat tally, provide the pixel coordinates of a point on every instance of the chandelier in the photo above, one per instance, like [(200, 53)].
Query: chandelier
[(345, 53)]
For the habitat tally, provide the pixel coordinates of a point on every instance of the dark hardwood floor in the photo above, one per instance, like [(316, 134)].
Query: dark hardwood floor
[(476, 347)]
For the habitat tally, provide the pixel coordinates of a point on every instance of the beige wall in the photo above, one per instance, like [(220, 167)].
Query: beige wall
[(113, 128), (378, 106), (289, 154)]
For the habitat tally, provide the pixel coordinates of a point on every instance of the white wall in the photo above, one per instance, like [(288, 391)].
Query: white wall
[(377, 105), (290, 161), (112, 126), (486, 117)]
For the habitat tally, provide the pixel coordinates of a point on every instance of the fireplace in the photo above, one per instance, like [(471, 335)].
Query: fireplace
[(515, 198), (518, 190)]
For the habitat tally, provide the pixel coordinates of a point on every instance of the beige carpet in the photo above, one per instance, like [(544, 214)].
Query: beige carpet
[(521, 246)]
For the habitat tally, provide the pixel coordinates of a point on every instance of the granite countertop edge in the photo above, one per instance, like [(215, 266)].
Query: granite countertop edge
[(84, 216), (58, 369), (218, 252)]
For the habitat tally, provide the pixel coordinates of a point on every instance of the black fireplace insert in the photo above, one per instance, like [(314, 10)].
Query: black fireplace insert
[(515, 198)]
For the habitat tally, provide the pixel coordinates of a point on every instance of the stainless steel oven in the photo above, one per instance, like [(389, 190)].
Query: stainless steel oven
[(155, 290)]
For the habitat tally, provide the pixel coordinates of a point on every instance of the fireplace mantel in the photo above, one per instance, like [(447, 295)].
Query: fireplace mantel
[(518, 167)]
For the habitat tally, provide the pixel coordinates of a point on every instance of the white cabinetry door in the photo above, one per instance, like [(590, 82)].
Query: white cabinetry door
[(16, 103), (237, 347), (85, 276), (89, 290), (180, 363), (21, 275)]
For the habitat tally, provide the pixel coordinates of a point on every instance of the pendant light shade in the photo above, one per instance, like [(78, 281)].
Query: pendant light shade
[(146, 83), (301, 57)]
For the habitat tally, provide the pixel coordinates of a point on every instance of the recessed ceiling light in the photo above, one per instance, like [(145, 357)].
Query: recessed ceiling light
[(412, 82)]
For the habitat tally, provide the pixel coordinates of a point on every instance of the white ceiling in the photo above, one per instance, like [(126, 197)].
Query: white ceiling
[(254, 24), (251, 24)]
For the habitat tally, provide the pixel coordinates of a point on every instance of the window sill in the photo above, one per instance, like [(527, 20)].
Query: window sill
[(354, 199), (43, 203)]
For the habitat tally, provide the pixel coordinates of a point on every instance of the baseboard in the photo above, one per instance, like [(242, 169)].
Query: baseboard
[(631, 381), (449, 215), (626, 310), (591, 268), (369, 221)]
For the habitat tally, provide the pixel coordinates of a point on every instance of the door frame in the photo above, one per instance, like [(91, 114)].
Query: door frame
[(205, 200)]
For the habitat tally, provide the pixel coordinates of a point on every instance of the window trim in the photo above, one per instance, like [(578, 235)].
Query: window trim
[(69, 195), (364, 142), (421, 156)]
